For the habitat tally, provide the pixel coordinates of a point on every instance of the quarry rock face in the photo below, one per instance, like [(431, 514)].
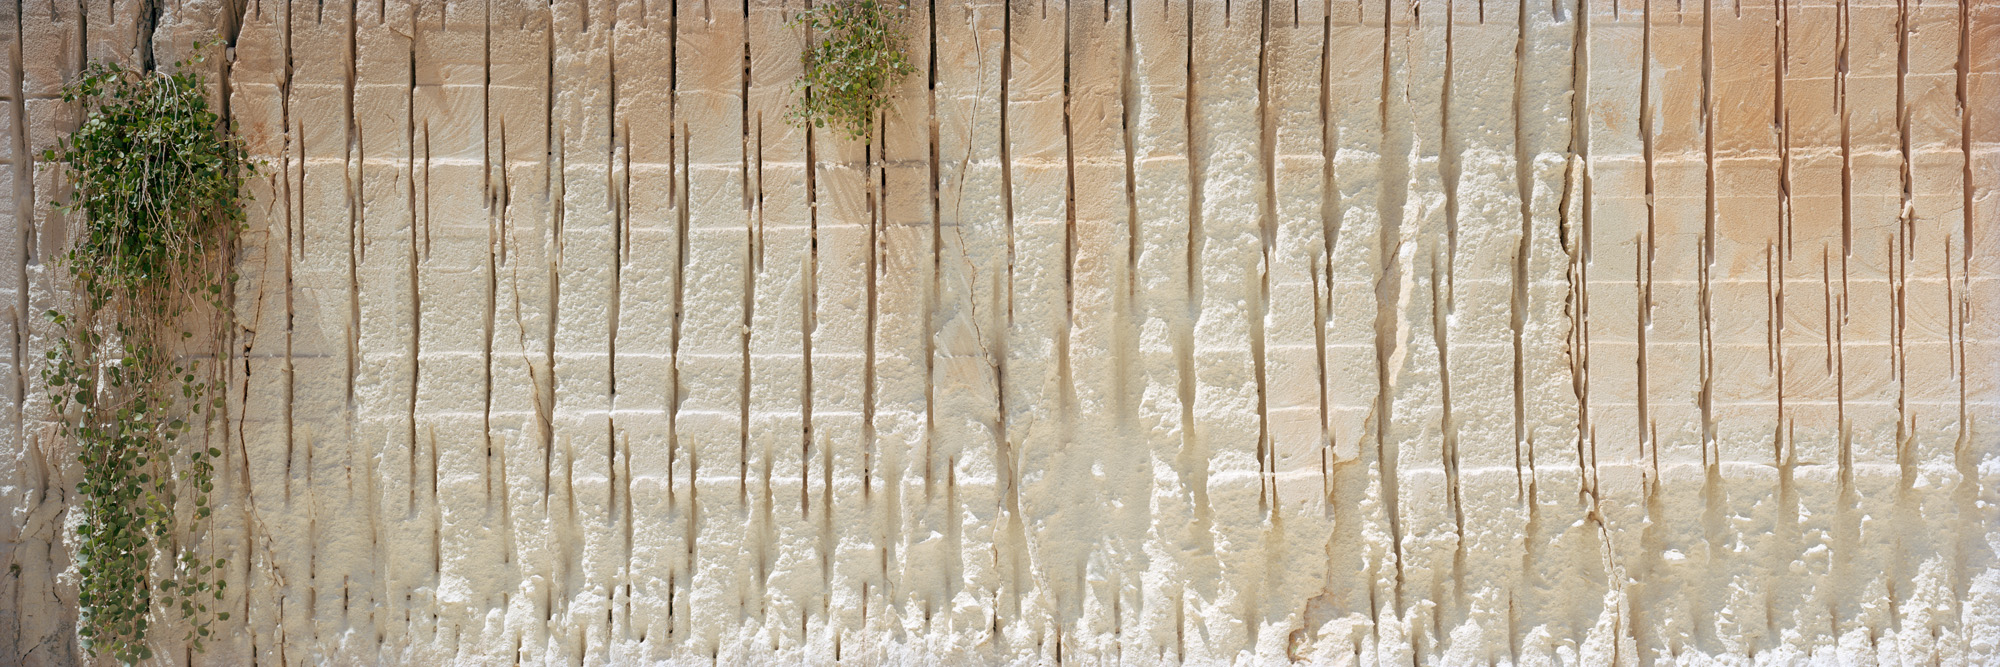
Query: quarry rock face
[(1384, 332)]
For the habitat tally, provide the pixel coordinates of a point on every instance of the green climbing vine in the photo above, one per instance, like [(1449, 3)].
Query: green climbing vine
[(156, 206), (853, 64)]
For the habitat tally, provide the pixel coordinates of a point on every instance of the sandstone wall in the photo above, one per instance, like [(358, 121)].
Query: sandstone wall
[(1383, 331)]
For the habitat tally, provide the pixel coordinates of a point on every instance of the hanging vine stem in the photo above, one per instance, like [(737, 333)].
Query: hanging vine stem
[(157, 202)]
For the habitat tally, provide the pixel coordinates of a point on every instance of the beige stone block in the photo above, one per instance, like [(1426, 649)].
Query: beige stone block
[(1981, 322), (1809, 373)]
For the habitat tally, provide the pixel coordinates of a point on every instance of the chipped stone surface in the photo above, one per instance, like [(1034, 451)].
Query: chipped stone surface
[(1590, 332)]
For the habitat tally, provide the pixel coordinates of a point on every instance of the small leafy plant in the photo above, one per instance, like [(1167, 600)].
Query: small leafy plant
[(853, 64), (158, 204)]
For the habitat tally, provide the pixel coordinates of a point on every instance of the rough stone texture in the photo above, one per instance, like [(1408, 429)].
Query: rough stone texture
[(1382, 332)]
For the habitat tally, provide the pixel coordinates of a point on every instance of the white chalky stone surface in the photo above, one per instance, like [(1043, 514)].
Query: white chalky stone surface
[(1376, 332)]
